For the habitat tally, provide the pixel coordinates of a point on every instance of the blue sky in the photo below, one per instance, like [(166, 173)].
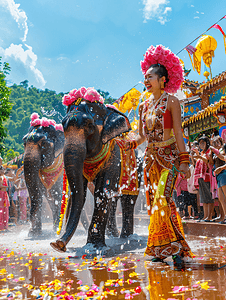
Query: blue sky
[(62, 45)]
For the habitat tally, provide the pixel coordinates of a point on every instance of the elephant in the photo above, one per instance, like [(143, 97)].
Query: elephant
[(43, 170), (91, 130)]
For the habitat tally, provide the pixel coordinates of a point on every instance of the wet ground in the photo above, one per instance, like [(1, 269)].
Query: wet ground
[(30, 269)]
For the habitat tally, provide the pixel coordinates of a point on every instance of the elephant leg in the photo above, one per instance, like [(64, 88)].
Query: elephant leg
[(36, 216), (128, 203), (54, 199), (96, 233), (54, 209), (111, 229), (105, 190)]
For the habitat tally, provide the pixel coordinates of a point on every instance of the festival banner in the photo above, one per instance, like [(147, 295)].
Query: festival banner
[(221, 30)]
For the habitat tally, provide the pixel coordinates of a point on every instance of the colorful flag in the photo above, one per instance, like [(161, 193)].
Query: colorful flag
[(190, 49), (218, 27), (119, 99), (222, 31)]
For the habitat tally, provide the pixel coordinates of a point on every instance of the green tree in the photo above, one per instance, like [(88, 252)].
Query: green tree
[(27, 100), (10, 154), (5, 104), (107, 98), (24, 84)]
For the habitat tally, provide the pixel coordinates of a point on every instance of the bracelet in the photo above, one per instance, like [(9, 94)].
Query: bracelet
[(184, 157), (133, 144)]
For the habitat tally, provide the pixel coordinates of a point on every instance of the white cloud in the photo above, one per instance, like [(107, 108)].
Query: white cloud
[(156, 9), (61, 58), (27, 57), (21, 56), (167, 9), (18, 15), (196, 17)]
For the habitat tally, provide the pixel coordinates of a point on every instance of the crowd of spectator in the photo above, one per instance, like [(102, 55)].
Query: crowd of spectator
[(203, 196), (14, 198)]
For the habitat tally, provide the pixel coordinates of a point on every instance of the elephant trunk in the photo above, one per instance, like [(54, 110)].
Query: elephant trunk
[(74, 156), (32, 164)]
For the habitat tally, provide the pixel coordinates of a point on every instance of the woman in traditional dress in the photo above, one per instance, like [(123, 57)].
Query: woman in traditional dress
[(203, 177), (165, 156), (4, 201)]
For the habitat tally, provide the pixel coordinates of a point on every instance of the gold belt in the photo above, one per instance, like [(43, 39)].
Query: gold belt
[(163, 143)]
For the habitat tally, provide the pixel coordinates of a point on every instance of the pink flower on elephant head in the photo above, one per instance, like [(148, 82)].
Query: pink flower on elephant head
[(75, 94), (72, 93), (52, 122), (45, 122), (34, 116), (67, 99), (89, 94), (59, 127), (36, 122), (82, 91), (92, 95), (79, 94)]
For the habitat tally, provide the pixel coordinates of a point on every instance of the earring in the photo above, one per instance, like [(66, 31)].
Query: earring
[(162, 87)]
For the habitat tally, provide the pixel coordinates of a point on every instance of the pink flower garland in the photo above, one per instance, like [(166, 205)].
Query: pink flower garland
[(34, 116), (36, 121), (59, 127), (169, 60), (89, 94)]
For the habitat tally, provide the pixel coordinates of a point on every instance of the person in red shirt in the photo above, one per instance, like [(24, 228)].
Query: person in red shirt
[(4, 201), (202, 177)]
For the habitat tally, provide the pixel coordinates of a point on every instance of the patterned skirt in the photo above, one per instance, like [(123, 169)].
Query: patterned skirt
[(166, 235)]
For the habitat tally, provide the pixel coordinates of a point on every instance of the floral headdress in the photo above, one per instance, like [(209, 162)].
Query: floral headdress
[(44, 122), (163, 56), (89, 94)]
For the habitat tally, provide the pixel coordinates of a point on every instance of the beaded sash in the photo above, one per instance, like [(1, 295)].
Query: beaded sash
[(50, 175)]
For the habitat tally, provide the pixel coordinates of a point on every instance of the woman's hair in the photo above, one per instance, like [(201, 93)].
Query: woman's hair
[(161, 71), (196, 143), (206, 140), (215, 138)]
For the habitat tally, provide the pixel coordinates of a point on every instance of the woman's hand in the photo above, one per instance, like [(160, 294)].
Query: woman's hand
[(127, 145), (196, 151), (185, 171), (218, 170)]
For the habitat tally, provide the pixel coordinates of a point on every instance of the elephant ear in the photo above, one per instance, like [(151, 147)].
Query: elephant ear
[(56, 136), (59, 143), (25, 137), (115, 124)]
